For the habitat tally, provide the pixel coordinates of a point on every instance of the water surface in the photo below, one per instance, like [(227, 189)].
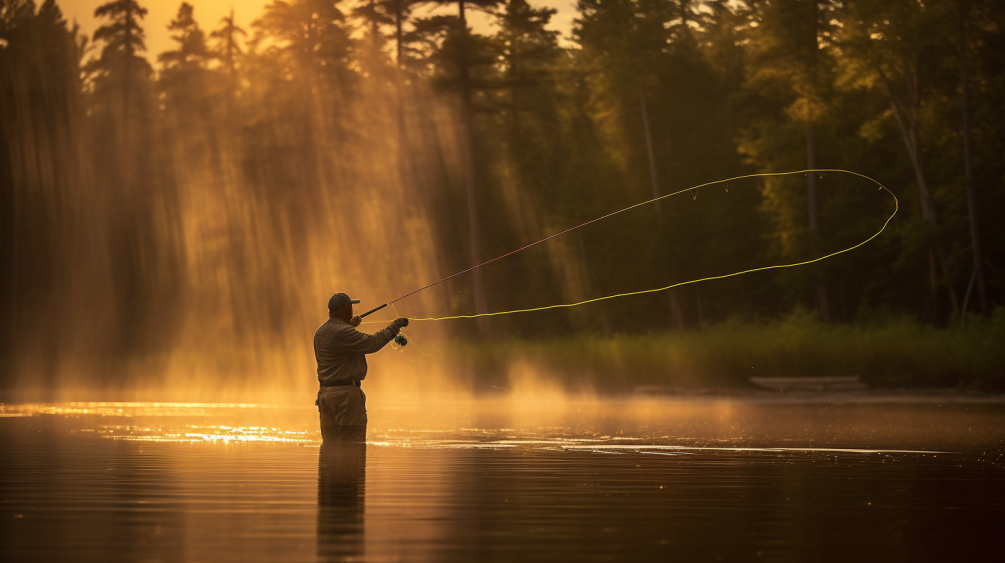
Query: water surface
[(505, 480)]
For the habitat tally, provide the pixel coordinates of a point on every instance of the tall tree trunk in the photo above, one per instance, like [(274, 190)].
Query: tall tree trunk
[(397, 35), (668, 170), (515, 97), (823, 305), (936, 259), (975, 239), (127, 84), (652, 156), (231, 72), (676, 313), (470, 186), (374, 26)]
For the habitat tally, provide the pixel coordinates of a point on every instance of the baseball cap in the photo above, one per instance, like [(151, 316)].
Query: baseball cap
[(340, 300)]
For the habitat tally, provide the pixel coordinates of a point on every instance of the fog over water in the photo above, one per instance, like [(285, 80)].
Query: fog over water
[(177, 207), (196, 248), (250, 250), (176, 213)]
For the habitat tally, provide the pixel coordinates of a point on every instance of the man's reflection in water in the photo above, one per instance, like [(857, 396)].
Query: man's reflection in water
[(341, 485)]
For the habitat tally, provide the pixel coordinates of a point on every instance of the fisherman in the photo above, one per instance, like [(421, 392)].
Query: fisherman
[(340, 351)]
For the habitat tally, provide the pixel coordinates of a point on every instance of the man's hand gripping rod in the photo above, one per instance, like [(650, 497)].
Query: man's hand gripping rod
[(399, 339)]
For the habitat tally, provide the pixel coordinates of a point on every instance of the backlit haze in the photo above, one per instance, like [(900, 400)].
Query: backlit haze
[(748, 302), (173, 221)]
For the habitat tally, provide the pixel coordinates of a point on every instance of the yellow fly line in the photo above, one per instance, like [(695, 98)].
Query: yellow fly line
[(896, 207)]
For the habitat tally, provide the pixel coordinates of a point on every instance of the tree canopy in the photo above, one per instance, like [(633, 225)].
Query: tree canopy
[(378, 147)]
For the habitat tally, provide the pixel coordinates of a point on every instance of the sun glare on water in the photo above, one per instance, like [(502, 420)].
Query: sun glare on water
[(575, 425)]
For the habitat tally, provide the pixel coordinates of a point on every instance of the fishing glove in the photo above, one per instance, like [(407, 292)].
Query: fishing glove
[(397, 325)]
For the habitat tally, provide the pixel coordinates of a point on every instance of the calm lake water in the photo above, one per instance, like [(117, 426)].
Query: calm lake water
[(498, 480)]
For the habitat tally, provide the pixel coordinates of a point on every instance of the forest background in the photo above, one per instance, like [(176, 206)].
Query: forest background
[(184, 215)]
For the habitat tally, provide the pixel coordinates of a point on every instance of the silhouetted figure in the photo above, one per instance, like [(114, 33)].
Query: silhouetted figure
[(340, 351), (341, 486)]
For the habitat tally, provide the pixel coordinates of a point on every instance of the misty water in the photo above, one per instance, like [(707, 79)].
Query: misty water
[(507, 479)]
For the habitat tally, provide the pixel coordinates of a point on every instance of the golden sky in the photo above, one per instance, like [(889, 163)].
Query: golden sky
[(209, 12)]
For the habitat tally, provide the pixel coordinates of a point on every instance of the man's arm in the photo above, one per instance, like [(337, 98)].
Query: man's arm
[(352, 340)]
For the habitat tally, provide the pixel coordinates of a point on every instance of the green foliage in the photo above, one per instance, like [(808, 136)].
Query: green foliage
[(888, 353), (204, 199)]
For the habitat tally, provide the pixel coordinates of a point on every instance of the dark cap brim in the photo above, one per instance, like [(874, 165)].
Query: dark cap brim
[(340, 300)]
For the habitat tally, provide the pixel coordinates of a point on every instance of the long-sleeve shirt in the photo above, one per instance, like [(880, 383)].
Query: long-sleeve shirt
[(340, 351)]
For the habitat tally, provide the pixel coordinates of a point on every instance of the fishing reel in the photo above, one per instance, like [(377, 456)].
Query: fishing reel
[(399, 342)]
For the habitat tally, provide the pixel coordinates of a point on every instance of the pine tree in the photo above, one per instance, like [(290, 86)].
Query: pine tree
[(529, 52), (183, 76), (968, 14), (191, 52), (462, 55), (120, 69), (40, 175), (400, 11), (228, 51), (313, 36), (307, 74), (886, 43), (375, 17), (629, 43), (792, 70)]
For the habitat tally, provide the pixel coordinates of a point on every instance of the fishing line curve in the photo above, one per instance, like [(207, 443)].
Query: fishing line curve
[(896, 208)]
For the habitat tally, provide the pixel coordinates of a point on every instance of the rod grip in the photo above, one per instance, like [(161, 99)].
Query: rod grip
[(373, 310)]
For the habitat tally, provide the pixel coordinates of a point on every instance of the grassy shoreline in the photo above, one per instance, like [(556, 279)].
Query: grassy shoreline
[(892, 354)]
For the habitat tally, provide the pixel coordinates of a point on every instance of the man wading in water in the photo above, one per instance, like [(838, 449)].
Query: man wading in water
[(340, 351)]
